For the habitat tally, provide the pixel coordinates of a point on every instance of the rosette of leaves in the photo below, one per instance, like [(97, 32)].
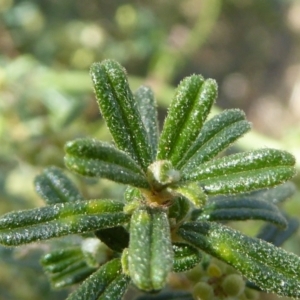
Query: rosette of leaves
[(167, 218)]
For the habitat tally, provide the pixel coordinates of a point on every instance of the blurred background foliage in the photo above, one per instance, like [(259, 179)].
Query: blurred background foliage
[(252, 48)]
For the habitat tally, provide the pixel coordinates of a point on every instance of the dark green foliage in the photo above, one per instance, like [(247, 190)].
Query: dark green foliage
[(66, 267), (61, 219), (120, 111), (243, 172), (189, 109), (93, 158), (149, 239), (106, 283), (240, 209), (54, 187), (168, 201), (116, 238), (216, 135), (179, 208), (146, 103), (186, 257), (271, 268)]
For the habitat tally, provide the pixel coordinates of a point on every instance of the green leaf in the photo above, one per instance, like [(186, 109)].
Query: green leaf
[(150, 254), (216, 135), (179, 209), (147, 108), (93, 158), (186, 257), (73, 274), (192, 191), (106, 283), (55, 187), (58, 260), (272, 269), (116, 238), (275, 235), (244, 172), (66, 267), (58, 220), (120, 111), (133, 198), (116, 289), (243, 209), (189, 109)]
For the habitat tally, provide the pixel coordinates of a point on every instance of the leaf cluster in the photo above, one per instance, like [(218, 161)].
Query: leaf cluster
[(181, 194)]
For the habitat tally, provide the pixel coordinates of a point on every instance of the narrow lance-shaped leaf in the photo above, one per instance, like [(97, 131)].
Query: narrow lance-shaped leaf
[(243, 209), (107, 283), (55, 187), (120, 111), (147, 108), (117, 288), (244, 172), (188, 111), (186, 257), (93, 158), (150, 254), (216, 135), (74, 273), (272, 269), (61, 219), (58, 260)]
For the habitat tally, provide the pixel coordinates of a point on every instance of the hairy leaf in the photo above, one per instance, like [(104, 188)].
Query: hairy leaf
[(58, 220), (271, 268), (216, 135), (55, 187), (192, 191), (179, 208), (66, 267), (93, 158), (73, 274), (150, 254), (147, 108), (244, 172), (186, 257), (58, 260), (120, 111), (106, 283), (116, 289), (188, 111), (243, 209)]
